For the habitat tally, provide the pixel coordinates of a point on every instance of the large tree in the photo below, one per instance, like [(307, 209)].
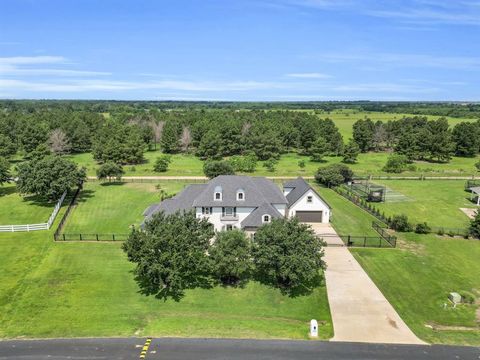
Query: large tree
[(288, 255), (466, 138), (58, 142), (170, 254), (231, 257), (110, 170), (334, 175), (4, 171), (7, 146), (49, 177), (319, 149), (363, 134), (215, 168)]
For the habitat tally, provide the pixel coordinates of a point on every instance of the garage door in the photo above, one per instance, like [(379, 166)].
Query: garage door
[(309, 216)]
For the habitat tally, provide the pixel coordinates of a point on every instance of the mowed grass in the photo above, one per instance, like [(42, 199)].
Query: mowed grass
[(18, 210), (346, 217), (73, 289), (436, 202), (112, 208), (417, 279), (367, 164)]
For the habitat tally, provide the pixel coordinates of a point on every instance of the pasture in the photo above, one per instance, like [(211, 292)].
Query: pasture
[(367, 164)]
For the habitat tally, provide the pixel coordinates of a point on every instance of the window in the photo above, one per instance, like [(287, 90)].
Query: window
[(266, 218), (218, 196), (229, 227), (206, 210), (240, 195), (228, 211), (309, 199)]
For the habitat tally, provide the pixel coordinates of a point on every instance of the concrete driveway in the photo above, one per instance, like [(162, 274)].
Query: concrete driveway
[(360, 312)]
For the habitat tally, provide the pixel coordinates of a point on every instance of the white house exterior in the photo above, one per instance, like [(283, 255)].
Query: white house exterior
[(244, 202)]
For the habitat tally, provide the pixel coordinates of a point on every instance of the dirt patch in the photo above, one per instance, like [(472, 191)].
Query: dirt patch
[(143, 186), (415, 248), (438, 327), (469, 212)]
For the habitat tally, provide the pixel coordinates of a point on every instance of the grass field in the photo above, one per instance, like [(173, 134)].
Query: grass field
[(344, 119), (368, 164), (418, 278), (87, 289), (437, 202), (113, 207), (18, 210)]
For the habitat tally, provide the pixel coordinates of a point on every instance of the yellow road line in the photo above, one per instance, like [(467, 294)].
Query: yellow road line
[(145, 347)]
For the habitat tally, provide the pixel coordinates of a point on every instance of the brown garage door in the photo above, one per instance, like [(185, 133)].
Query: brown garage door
[(309, 216)]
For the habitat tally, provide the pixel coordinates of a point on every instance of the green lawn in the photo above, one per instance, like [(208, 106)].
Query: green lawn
[(368, 164), (347, 218), (417, 279), (437, 202), (71, 289), (18, 210), (113, 207)]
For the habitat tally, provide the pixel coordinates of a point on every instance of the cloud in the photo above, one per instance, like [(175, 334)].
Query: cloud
[(313, 75), (98, 85), (400, 60), (29, 60), (385, 87)]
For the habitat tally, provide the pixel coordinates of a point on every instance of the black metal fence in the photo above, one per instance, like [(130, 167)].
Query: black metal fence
[(382, 230), (92, 237), (365, 241), (57, 232)]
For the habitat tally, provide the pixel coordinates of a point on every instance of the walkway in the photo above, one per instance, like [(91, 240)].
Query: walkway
[(360, 312)]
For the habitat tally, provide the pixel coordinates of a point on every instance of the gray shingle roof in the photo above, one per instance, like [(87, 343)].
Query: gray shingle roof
[(258, 190), (300, 187), (182, 201), (255, 217)]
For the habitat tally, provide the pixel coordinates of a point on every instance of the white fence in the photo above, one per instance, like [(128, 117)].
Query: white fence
[(34, 227)]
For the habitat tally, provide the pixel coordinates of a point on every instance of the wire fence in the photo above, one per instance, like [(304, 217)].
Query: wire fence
[(91, 237), (57, 232)]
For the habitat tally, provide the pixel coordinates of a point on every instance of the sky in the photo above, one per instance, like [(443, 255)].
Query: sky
[(246, 50)]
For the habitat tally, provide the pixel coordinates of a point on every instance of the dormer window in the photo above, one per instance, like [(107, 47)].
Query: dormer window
[(217, 196), (309, 199), (240, 195), (266, 218)]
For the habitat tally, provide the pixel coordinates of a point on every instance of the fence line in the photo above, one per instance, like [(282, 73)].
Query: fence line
[(382, 230), (35, 227), (91, 237), (65, 215)]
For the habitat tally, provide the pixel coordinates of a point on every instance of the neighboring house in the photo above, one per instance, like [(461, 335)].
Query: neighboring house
[(244, 202)]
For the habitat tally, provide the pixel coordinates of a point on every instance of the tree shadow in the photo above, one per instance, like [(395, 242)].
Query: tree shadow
[(113, 183), (8, 190), (304, 289), (84, 195), (149, 288)]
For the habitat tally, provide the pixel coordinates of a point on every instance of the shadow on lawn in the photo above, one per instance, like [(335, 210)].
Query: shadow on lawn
[(112, 183), (8, 190)]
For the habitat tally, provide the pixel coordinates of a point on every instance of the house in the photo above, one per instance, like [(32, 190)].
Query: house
[(244, 202)]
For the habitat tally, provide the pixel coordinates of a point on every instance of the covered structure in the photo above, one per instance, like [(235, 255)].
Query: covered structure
[(475, 192)]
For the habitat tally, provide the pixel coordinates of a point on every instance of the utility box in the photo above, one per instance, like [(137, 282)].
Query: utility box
[(455, 297), (313, 328)]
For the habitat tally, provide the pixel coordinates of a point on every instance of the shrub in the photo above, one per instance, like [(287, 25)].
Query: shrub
[(215, 168), (400, 223), (161, 163), (467, 297), (110, 171), (247, 163), (301, 164), (334, 175), (422, 228), (474, 229), (396, 163), (270, 164), (441, 232)]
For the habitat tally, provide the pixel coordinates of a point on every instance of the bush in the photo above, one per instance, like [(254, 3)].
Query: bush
[(474, 229), (301, 164), (441, 232), (161, 163), (270, 164), (400, 223), (467, 297), (422, 228), (215, 168), (110, 171), (334, 175), (247, 163), (396, 163)]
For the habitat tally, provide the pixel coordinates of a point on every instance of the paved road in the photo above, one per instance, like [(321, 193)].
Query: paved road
[(215, 349), (360, 312)]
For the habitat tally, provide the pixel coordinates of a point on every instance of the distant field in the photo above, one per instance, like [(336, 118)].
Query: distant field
[(368, 164), (344, 119), (435, 201)]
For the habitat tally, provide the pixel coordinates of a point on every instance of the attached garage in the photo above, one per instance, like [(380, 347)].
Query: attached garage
[(309, 216)]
